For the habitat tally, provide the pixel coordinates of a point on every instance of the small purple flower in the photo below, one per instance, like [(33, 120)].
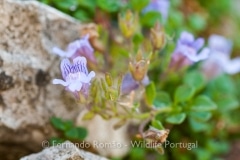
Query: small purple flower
[(160, 6), (75, 76), (80, 47), (187, 51), (129, 84), (220, 44), (219, 60)]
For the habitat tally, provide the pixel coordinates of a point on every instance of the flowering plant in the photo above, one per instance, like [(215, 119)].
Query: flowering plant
[(180, 88)]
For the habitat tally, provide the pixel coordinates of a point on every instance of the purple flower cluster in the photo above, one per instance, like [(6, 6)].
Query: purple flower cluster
[(219, 60), (188, 51), (75, 75), (74, 70), (216, 56), (80, 47)]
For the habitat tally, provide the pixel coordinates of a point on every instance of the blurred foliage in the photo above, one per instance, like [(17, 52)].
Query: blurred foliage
[(193, 107), (68, 130)]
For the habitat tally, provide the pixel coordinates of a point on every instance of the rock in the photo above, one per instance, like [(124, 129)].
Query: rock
[(108, 141), (28, 31), (64, 151)]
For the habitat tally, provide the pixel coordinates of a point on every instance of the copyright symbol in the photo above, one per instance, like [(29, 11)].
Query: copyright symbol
[(45, 144)]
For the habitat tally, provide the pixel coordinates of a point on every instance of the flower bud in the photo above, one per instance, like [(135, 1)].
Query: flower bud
[(92, 31), (108, 79), (157, 36), (128, 23), (139, 67), (89, 29)]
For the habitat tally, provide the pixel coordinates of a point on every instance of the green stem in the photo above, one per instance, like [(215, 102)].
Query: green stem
[(147, 115)]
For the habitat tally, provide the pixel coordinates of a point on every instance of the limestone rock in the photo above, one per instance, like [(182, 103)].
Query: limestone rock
[(64, 151), (28, 31), (104, 138)]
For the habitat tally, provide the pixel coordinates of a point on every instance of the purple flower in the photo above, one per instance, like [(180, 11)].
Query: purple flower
[(129, 84), (160, 6), (219, 60), (80, 47), (187, 51), (75, 76), (220, 44)]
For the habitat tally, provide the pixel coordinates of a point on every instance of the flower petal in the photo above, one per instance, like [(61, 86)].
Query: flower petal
[(75, 86), (186, 38), (83, 78), (233, 66), (128, 84), (87, 52), (65, 67), (198, 44), (187, 51), (91, 75), (145, 80), (62, 53), (80, 64), (81, 47), (220, 44), (59, 52), (86, 78), (73, 47), (204, 54), (59, 81)]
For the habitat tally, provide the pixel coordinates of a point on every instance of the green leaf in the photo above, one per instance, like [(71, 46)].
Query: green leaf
[(138, 5), (137, 153), (176, 118), (57, 123), (76, 133), (195, 79), (218, 147), (82, 15), (150, 93), (60, 124), (150, 18), (203, 154), (201, 116), (89, 4), (197, 22), (227, 102), (203, 103), (68, 124), (56, 141), (88, 116), (108, 5), (157, 124), (198, 126), (176, 18), (137, 39), (183, 93), (222, 84), (65, 4), (162, 99)]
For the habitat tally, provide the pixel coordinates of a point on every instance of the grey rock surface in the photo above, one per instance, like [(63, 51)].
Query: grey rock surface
[(28, 31), (64, 151)]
